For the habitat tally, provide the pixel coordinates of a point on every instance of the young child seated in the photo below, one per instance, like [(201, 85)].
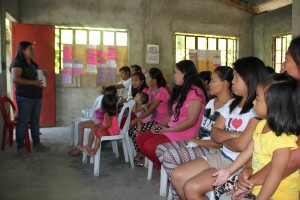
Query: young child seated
[(92, 123), (140, 106), (108, 126)]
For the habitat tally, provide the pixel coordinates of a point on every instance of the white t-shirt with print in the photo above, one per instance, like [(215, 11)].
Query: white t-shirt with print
[(235, 122), (123, 92), (209, 118)]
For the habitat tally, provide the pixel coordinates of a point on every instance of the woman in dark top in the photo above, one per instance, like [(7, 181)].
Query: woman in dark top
[(29, 92)]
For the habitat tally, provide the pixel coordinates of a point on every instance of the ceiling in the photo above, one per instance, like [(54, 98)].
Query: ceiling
[(258, 6)]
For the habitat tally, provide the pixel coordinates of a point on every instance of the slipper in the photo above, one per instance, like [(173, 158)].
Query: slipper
[(89, 152), (80, 147)]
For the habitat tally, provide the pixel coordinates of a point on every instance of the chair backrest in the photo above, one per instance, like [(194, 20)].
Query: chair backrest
[(4, 111), (125, 128), (129, 105), (96, 104)]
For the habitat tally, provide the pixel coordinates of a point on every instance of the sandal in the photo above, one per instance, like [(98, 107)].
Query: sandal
[(138, 157), (80, 147), (88, 151), (141, 163)]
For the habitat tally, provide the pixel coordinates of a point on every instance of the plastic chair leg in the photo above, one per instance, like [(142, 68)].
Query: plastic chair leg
[(85, 142), (150, 169), (163, 182), (97, 162), (125, 150), (130, 152), (115, 148), (170, 196)]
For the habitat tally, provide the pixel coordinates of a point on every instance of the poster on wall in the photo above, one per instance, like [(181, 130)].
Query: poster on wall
[(67, 73), (205, 59), (152, 54)]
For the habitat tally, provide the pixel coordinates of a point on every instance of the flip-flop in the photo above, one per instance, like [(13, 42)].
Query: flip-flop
[(80, 147), (89, 152)]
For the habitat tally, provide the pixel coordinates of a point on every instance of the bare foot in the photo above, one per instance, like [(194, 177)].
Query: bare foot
[(74, 152)]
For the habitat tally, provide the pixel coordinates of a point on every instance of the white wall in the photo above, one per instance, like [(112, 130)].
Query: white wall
[(267, 25)]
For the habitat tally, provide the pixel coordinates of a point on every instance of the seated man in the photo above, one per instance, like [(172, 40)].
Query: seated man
[(135, 68)]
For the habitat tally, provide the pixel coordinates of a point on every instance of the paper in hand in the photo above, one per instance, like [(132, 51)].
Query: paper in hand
[(41, 77)]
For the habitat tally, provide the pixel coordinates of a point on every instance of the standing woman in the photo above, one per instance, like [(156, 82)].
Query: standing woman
[(29, 92), (187, 105)]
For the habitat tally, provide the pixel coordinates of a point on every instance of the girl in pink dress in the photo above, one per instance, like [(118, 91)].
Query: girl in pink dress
[(109, 125)]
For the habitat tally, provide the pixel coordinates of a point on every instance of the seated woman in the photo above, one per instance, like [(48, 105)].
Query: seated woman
[(233, 129), (187, 104), (291, 66), (174, 154), (111, 90), (158, 107), (138, 85)]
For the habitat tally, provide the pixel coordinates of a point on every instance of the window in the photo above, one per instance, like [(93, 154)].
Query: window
[(280, 46), (227, 46), (86, 36)]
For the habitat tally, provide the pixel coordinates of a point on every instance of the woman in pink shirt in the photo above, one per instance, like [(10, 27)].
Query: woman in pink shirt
[(158, 101), (187, 104)]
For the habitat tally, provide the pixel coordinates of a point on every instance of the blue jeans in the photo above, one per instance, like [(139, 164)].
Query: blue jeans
[(28, 108)]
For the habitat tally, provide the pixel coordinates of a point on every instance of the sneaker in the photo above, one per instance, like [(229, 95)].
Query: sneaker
[(40, 147)]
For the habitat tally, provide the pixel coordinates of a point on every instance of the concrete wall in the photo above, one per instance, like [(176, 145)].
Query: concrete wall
[(148, 22), (267, 25)]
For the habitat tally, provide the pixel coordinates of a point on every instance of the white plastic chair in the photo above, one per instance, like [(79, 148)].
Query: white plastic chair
[(123, 136), (163, 188), (163, 177), (209, 194), (86, 114)]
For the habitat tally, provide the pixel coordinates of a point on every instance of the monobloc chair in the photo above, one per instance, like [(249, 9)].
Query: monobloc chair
[(164, 181), (86, 114), (123, 136), (11, 123)]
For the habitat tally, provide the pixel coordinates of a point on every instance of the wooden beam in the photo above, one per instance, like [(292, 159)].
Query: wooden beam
[(243, 6)]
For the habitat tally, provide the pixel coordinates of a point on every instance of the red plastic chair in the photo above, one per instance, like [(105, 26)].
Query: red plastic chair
[(11, 124)]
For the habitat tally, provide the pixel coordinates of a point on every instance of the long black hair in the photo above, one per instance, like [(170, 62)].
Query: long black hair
[(282, 94), (190, 78), (251, 70), (225, 73), (156, 74), (20, 55), (294, 50), (205, 76), (109, 104), (142, 77)]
